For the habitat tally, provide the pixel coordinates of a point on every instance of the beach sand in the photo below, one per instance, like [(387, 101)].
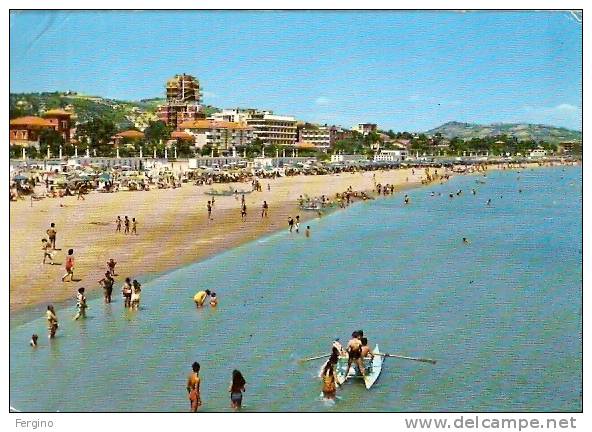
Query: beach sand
[(173, 229)]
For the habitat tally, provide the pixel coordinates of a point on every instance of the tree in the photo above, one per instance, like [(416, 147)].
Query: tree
[(157, 131), (52, 139), (99, 132)]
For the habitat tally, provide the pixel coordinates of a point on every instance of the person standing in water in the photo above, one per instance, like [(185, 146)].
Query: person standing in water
[(126, 291), (193, 383), (135, 298), (213, 300), (52, 321), (33, 341), (69, 266), (200, 298), (236, 389), (107, 283), (297, 223), (307, 232), (80, 304), (291, 223), (328, 376)]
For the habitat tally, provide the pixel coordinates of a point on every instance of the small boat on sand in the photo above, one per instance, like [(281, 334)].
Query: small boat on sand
[(373, 367)]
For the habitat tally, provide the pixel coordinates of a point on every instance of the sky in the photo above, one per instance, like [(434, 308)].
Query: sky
[(403, 70)]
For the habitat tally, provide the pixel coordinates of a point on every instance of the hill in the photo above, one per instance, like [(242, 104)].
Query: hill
[(124, 114), (522, 131)]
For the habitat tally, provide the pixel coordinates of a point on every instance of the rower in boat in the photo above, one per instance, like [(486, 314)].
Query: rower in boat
[(354, 351)]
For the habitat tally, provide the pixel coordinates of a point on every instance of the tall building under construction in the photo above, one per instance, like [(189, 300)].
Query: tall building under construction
[(183, 103)]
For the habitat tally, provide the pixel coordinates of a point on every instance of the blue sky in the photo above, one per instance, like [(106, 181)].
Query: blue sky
[(403, 70)]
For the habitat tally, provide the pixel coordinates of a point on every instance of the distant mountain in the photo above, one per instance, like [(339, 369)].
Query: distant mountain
[(124, 114), (522, 131)]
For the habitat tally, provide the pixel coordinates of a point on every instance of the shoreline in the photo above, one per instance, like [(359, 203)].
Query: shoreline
[(22, 305), (195, 239)]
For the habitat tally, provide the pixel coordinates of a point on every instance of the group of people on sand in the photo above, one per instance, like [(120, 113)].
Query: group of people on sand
[(236, 388), (356, 352), (127, 225)]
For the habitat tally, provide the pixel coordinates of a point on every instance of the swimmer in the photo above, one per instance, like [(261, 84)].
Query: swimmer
[(33, 341), (213, 300), (465, 241)]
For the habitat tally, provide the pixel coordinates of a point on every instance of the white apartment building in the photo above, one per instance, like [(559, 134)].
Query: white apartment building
[(390, 155), (347, 157), (223, 135), (319, 136), (366, 128)]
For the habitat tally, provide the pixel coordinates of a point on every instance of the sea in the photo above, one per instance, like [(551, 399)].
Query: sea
[(501, 314)]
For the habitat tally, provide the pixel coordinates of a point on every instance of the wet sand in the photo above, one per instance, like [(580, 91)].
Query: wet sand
[(173, 229)]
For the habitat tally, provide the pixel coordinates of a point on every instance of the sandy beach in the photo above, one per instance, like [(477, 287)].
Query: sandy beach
[(173, 229)]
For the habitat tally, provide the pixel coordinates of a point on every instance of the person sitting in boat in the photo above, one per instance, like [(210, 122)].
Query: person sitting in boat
[(366, 349), (338, 347), (354, 351)]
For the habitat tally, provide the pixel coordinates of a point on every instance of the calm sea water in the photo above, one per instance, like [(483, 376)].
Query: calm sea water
[(502, 315)]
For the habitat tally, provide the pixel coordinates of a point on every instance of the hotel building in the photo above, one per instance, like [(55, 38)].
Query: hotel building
[(222, 135), (183, 95)]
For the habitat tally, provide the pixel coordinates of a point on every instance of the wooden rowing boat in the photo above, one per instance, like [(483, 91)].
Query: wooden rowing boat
[(373, 368)]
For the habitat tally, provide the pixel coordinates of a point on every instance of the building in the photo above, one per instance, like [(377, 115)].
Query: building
[(222, 135), (390, 155), (538, 152), (319, 136), (268, 127), (366, 128), (347, 158), (62, 120), (25, 131), (183, 95), (570, 147), (337, 133)]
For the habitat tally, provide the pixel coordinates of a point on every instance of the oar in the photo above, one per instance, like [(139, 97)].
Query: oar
[(314, 358), (425, 360)]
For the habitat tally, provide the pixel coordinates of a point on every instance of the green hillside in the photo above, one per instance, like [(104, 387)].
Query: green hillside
[(522, 131)]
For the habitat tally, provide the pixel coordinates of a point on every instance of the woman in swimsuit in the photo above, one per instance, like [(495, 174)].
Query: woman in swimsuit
[(52, 321), (328, 375), (236, 389)]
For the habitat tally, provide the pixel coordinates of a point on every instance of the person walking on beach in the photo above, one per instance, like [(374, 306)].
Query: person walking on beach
[(264, 210), (126, 291), (244, 211), (209, 211), (236, 389), (51, 235), (52, 321), (69, 266), (118, 221), (107, 283), (193, 382), (134, 226), (80, 304), (111, 266), (291, 223), (126, 225), (200, 298), (46, 247)]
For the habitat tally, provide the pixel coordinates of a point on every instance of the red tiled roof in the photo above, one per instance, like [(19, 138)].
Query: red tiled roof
[(31, 121)]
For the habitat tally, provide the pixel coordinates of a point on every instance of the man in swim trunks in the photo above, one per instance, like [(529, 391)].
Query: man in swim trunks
[(366, 349), (354, 351), (200, 298), (193, 383)]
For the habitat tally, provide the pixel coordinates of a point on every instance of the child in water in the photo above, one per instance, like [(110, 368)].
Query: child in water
[(80, 304), (33, 341), (213, 300)]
